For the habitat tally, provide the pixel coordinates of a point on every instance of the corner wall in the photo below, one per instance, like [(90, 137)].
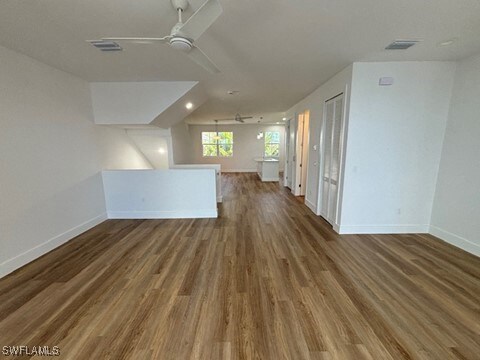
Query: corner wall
[(456, 209), (181, 144), (395, 136), (51, 157)]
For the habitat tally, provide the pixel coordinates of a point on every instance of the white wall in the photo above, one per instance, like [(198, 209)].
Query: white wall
[(246, 146), (155, 145), (456, 209), (160, 194), (181, 144), (340, 83), (218, 175), (51, 155), (395, 136), (128, 103)]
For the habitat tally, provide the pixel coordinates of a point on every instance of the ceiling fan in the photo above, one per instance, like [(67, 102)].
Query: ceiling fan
[(183, 35), (237, 118)]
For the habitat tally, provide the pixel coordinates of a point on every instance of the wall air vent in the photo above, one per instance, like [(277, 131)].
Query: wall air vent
[(105, 45), (401, 44)]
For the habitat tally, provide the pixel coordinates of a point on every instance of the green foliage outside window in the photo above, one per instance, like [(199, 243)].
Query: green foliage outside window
[(217, 144), (272, 144)]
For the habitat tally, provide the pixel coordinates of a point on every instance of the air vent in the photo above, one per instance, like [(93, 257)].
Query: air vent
[(105, 45), (401, 44)]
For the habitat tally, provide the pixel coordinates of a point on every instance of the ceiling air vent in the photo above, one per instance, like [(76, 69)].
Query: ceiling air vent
[(105, 45), (401, 44)]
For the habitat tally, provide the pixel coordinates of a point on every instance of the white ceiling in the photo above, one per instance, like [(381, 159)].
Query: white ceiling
[(275, 52)]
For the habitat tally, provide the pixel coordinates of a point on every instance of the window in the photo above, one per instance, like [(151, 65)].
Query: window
[(217, 143), (272, 143)]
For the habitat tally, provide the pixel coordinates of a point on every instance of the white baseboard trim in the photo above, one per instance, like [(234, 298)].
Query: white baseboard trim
[(455, 240), (270, 179), (180, 214), (18, 261), (311, 206), (238, 170), (382, 229)]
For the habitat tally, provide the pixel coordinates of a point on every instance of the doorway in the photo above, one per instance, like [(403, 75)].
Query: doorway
[(332, 140), (301, 153)]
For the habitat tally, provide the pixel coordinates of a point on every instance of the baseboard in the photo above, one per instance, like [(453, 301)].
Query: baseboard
[(455, 240), (238, 170), (18, 261), (383, 229), (311, 206), (180, 214), (335, 227)]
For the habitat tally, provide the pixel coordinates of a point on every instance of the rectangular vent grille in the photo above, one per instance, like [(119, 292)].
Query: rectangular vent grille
[(106, 45), (401, 44)]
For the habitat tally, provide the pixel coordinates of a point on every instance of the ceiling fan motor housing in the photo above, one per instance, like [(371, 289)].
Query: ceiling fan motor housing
[(181, 43)]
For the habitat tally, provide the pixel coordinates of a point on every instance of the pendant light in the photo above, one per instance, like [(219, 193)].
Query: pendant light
[(216, 137)]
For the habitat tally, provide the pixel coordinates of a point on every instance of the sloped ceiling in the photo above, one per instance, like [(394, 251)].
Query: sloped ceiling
[(135, 103), (274, 52)]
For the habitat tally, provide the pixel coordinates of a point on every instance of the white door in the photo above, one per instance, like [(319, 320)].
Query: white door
[(289, 153), (300, 151), (299, 155), (332, 134)]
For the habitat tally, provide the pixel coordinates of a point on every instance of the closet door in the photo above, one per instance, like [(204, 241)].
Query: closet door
[(335, 160), (331, 157), (327, 154)]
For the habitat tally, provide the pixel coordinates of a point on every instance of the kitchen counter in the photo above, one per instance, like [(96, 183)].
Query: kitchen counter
[(267, 169)]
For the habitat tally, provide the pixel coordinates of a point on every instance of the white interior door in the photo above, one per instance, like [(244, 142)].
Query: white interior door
[(327, 156), (290, 154), (298, 156), (332, 134)]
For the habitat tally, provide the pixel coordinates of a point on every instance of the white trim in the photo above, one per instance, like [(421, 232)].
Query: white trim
[(238, 170), (273, 179), (219, 199), (455, 240), (382, 229), (311, 206), (24, 258), (179, 214)]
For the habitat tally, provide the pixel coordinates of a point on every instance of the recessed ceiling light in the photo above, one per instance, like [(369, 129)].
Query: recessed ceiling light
[(189, 105), (447, 42), (161, 150), (284, 119), (278, 122)]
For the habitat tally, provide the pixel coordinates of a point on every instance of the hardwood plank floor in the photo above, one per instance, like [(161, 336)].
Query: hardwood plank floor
[(266, 280)]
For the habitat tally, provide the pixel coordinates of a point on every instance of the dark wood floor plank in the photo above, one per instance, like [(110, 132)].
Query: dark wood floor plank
[(266, 280)]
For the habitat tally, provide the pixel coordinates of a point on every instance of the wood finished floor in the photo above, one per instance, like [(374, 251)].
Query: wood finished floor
[(266, 280)]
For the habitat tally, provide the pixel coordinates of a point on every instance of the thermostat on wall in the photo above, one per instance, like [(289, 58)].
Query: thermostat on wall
[(385, 81)]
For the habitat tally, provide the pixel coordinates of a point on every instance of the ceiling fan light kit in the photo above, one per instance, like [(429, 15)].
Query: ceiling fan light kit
[(184, 34), (181, 44)]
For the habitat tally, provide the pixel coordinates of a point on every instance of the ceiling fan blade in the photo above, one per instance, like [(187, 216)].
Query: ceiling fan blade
[(224, 120), (201, 59), (246, 117), (196, 25), (138, 39)]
